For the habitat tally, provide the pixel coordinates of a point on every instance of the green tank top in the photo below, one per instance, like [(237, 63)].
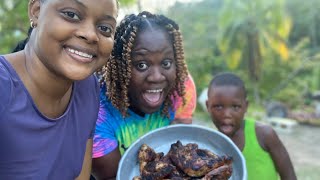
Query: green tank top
[(259, 163)]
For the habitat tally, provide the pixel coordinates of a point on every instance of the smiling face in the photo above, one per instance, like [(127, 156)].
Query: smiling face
[(73, 38), (153, 71), (227, 106)]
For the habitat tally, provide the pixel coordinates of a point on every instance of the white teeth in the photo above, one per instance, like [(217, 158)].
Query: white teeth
[(83, 54), (154, 90)]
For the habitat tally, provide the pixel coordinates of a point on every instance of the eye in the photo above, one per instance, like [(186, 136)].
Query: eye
[(142, 66), (106, 30), (167, 64), (217, 107), (236, 107), (71, 15)]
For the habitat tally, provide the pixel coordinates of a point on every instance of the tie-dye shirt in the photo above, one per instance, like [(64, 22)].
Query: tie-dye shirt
[(186, 111), (113, 130)]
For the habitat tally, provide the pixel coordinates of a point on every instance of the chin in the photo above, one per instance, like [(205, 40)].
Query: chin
[(151, 110), (78, 76)]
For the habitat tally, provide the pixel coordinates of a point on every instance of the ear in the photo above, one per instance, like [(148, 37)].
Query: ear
[(34, 11), (246, 104)]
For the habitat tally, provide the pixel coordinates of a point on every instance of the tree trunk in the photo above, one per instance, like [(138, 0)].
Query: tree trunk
[(254, 64)]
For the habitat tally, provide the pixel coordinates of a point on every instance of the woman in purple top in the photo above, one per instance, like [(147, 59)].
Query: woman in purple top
[(49, 99)]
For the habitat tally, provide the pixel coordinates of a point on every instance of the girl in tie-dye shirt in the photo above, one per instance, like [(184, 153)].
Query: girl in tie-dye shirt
[(145, 86)]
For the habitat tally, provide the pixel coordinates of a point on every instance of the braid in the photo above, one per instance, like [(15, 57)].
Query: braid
[(117, 72), (22, 44), (181, 67)]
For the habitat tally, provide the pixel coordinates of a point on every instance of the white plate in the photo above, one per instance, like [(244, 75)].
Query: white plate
[(161, 139)]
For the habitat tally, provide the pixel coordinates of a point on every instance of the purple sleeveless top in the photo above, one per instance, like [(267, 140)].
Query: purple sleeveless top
[(33, 146)]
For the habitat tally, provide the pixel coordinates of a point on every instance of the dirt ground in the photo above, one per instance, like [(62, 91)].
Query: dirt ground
[(303, 145)]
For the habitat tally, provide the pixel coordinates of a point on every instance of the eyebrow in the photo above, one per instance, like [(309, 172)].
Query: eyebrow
[(80, 3), (109, 17), (140, 51), (105, 16)]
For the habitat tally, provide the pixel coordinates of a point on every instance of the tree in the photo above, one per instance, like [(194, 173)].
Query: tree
[(14, 23), (248, 29), (198, 24), (306, 22)]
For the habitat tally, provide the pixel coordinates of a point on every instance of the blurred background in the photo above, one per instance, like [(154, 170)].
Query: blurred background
[(274, 45)]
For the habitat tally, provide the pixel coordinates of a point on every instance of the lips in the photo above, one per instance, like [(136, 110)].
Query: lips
[(226, 128), (153, 97), (80, 55)]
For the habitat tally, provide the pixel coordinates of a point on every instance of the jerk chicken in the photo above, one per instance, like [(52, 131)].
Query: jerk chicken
[(183, 163)]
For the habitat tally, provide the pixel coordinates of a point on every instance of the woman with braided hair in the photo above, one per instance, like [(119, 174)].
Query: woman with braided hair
[(144, 86)]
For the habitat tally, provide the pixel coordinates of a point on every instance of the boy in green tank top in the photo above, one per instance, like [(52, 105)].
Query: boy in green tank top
[(265, 155)]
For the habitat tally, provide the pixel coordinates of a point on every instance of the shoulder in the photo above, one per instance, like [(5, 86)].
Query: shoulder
[(108, 114), (190, 85), (91, 82), (266, 135), (85, 101), (185, 111), (88, 89), (5, 75), (5, 84), (264, 129)]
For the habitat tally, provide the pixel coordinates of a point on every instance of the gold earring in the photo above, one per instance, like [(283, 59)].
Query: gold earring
[(32, 25)]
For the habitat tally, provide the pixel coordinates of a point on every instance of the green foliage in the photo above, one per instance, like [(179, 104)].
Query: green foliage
[(198, 23), (306, 17), (126, 2), (14, 23), (216, 39), (250, 29)]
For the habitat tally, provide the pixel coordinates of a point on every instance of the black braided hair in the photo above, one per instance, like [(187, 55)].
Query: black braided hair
[(228, 79), (22, 44), (116, 74)]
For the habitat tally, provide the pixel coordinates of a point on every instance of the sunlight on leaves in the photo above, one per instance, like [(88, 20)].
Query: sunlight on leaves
[(283, 51), (234, 59)]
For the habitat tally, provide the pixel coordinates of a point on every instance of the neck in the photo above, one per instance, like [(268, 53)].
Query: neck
[(50, 93), (42, 79), (238, 136), (137, 111)]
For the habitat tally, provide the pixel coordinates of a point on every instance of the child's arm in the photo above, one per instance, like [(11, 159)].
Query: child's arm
[(278, 153)]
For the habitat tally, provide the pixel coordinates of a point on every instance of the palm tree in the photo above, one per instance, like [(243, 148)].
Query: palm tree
[(248, 28)]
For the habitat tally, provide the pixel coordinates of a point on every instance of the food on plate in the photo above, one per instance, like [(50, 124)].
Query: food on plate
[(182, 163)]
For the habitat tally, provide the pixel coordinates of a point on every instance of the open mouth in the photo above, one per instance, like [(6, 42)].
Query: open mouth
[(226, 128), (153, 96)]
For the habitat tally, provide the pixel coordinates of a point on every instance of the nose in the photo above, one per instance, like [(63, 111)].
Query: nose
[(156, 75), (228, 112), (88, 32)]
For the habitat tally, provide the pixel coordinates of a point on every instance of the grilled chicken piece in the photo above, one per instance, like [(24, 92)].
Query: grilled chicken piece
[(183, 163), (221, 173), (193, 161), (151, 166), (145, 155), (137, 178), (176, 174)]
